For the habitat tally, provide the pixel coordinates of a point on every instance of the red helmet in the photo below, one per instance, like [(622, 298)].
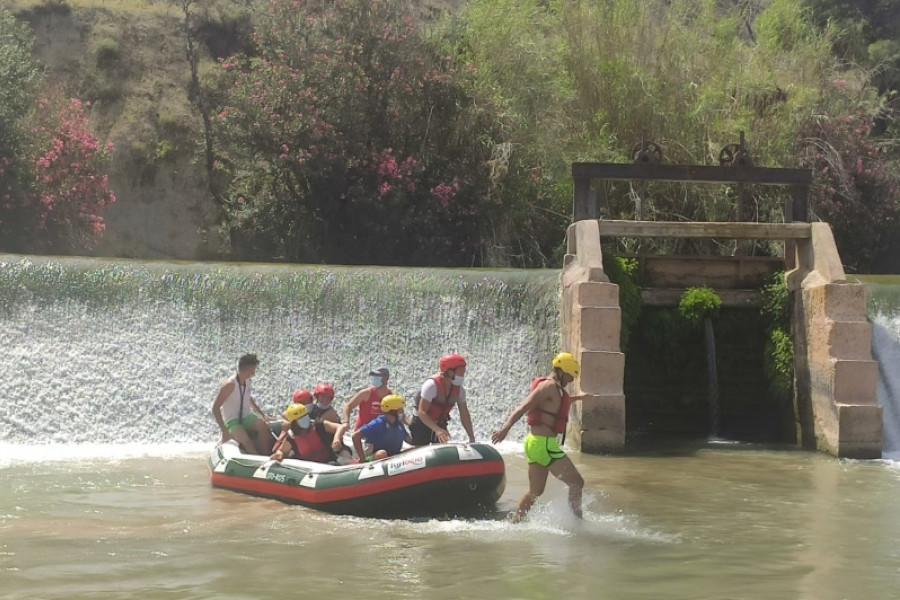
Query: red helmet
[(325, 389), (451, 361), (302, 397)]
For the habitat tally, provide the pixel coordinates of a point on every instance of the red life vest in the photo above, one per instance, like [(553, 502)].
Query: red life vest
[(370, 408), (560, 418), (443, 403), (308, 445)]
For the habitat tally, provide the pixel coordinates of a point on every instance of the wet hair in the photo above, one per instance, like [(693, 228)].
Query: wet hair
[(248, 360)]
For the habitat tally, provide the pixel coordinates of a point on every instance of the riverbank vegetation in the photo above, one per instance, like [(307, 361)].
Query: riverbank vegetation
[(391, 132)]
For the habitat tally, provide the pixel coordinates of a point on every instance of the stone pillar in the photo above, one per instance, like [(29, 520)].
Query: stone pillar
[(591, 324), (835, 377)]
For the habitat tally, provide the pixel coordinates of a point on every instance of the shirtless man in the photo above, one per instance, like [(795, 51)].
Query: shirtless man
[(547, 407), (238, 416)]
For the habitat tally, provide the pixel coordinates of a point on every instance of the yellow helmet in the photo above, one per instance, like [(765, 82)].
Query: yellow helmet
[(296, 411), (566, 363), (392, 402)]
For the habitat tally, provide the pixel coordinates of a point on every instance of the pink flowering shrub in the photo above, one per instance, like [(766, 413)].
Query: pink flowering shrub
[(62, 209), (856, 187)]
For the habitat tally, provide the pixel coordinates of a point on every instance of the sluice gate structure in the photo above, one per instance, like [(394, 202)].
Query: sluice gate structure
[(835, 378)]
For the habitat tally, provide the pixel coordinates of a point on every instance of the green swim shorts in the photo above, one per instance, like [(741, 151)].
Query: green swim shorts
[(246, 422), (542, 450)]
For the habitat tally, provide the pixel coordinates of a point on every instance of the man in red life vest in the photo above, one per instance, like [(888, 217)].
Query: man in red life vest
[(438, 396), (369, 399), (322, 408), (302, 437), (547, 407)]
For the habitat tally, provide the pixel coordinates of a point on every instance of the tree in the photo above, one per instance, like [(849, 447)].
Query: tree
[(18, 72), (350, 139)]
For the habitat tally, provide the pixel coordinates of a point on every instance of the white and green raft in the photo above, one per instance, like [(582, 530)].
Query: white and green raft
[(434, 480)]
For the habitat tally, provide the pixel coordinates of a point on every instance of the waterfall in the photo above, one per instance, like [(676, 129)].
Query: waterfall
[(122, 351), (884, 313), (713, 378)]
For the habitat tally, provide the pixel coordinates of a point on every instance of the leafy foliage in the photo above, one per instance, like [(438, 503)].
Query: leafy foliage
[(698, 303), (621, 271), (62, 208), (778, 358), (18, 72), (348, 140)]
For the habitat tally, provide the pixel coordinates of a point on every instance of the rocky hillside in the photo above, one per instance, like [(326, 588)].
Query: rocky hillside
[(129, 59)]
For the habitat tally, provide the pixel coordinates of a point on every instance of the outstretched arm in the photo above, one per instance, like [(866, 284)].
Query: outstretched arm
[(282, 447), (524, 406)]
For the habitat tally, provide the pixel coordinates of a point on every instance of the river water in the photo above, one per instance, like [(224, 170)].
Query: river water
[(105, 427)]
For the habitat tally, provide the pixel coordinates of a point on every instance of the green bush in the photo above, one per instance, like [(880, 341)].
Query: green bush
[(107, 54), (778, 359), (621, 271), (698, 303)]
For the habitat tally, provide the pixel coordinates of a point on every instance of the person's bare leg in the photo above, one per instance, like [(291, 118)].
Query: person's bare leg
[(537, 481), (564, 470), (263, 439), (239, 435)]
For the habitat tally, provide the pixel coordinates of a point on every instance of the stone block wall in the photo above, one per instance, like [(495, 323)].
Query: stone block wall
[(592, 322)]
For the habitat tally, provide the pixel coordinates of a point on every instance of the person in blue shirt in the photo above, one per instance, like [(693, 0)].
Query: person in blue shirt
[(386, 433)]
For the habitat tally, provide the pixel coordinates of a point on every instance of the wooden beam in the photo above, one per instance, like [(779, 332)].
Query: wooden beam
[(676, 229), (730, 298), (692, 173)]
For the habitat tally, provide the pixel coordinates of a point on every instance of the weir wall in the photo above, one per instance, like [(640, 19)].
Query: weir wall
[(835, 405)]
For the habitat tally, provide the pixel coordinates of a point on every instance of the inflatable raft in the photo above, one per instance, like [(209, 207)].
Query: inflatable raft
[(435, 480)]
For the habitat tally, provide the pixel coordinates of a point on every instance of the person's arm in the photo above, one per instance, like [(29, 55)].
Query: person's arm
[(408, 438), (224, 391), (466, 419), (338, 430), (442, 434), (358, 445), (578, 398), (255, 408), (353, 403), (524, 406), (282, 447)]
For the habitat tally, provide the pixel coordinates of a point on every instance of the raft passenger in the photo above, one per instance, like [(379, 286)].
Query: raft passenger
[(302, 437), (385, 434)]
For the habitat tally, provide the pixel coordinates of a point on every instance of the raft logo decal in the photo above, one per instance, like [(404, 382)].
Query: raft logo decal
[(407, 463)]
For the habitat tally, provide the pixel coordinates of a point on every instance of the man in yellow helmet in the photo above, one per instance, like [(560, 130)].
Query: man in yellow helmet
[(547, 407), (386, 433)]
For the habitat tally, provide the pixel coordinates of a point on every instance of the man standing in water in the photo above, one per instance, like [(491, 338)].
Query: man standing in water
[(547, 407), (439, 394), (236, 412)]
